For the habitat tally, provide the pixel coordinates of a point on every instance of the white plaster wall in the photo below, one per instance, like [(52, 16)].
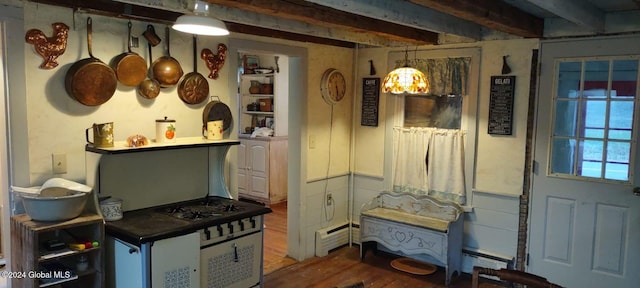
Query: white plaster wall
[(500, 160), (330, 130), (369, 149), (57, 122)]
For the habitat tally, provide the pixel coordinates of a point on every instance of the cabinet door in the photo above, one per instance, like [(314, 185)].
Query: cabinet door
[(243, 184), (128, 266), (259, 168)]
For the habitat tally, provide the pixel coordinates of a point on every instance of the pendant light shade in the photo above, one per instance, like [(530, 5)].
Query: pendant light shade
[(201, 23), (405, 80)]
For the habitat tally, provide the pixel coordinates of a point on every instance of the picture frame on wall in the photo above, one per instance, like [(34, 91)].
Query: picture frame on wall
[(250, 63)]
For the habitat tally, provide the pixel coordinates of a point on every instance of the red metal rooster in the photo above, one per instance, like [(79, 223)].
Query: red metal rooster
[(214, 61), (50, 48)]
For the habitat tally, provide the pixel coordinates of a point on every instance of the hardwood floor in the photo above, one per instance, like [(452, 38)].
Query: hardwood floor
[(341, 268), (275, 239)]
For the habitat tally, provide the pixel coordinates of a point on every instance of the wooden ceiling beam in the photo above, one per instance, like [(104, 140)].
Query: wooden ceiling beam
[(258, 31), (496, 15), (144, 13), (578, 12), (315, 14)]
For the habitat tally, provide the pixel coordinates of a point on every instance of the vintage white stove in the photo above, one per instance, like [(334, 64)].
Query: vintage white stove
[(180, 227)]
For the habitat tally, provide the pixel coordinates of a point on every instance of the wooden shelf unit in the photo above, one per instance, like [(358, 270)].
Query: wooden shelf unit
[(29, 252)]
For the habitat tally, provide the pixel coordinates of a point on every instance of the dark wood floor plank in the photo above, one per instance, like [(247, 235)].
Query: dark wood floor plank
[(343, 267)]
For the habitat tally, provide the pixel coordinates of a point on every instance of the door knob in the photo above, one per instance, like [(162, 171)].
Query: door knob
[(636, 191)]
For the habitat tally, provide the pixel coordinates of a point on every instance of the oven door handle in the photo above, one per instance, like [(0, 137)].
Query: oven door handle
[(235, 253), (132, 249)]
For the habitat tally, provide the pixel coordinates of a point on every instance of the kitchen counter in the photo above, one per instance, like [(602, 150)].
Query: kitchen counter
[(150, 224)]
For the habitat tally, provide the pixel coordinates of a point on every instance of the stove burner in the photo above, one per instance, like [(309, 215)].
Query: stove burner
[(196, 215), (174, 209), (207, 208), (230, 208)]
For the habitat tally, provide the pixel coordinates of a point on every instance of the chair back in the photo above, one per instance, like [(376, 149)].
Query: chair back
[(512, 277)]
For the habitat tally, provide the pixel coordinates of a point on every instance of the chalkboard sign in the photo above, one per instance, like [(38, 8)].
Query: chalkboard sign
[(501, 105), (370, 99)]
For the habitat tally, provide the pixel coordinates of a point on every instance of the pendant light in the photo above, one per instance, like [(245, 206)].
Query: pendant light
[(200, 23), (405, 79)]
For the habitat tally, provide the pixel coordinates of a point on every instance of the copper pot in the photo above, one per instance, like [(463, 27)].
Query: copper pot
[(166, 69), (90, 81), (130, 68), (149, 88)]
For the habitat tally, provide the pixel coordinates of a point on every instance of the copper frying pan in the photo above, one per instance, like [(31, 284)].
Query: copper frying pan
[(90, 81), (194, 87), (166, 69), (130, 68)]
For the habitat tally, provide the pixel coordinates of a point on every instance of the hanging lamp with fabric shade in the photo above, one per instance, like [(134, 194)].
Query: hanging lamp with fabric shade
[(405, 79), (200, 23)]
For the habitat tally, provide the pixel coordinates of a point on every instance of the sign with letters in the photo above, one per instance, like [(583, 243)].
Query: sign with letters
[(370, 100), (501, 105)]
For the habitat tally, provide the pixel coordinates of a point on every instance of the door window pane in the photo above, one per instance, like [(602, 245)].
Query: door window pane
[(595, 108), (565, 118), (569, 79), (621, 120), (594, 119)]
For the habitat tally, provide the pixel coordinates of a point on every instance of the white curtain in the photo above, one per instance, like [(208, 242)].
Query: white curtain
[(429, 161)]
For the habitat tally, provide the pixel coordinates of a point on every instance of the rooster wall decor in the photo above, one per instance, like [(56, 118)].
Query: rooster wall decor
[(50, 48), (214, 61)]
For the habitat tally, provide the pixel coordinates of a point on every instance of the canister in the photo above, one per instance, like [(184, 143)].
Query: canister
[(165, 130)]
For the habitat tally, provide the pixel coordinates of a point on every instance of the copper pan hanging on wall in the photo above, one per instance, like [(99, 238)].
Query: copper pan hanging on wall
[(130, 68), (194, 87), (89, 80), (166, 69)]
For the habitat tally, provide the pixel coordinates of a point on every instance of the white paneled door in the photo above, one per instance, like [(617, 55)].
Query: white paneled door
[(585, 217)]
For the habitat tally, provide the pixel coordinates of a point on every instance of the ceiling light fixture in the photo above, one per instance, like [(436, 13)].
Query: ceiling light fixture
[(405, 79), (200, 23)]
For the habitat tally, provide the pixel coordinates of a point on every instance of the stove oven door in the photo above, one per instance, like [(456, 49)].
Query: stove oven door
[(175, 262), (233, 263)]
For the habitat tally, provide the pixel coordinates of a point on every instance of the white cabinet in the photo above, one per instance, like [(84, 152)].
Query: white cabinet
[(262, 169)]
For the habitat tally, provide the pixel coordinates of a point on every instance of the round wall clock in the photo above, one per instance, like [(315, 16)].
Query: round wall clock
[(333, 86)]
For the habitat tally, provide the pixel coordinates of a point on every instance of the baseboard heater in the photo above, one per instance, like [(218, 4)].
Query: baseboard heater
[(331, 238), (476, 257)]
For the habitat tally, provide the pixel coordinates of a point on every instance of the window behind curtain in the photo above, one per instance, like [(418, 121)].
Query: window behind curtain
[(442, 107)]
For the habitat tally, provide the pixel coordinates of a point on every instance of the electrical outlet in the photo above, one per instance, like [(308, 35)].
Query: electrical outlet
[(59, 162), (329, 199)]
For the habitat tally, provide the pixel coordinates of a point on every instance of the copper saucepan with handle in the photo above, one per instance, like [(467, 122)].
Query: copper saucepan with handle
[(90, 81), (166, 69), (149, 88), (130, 68)]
